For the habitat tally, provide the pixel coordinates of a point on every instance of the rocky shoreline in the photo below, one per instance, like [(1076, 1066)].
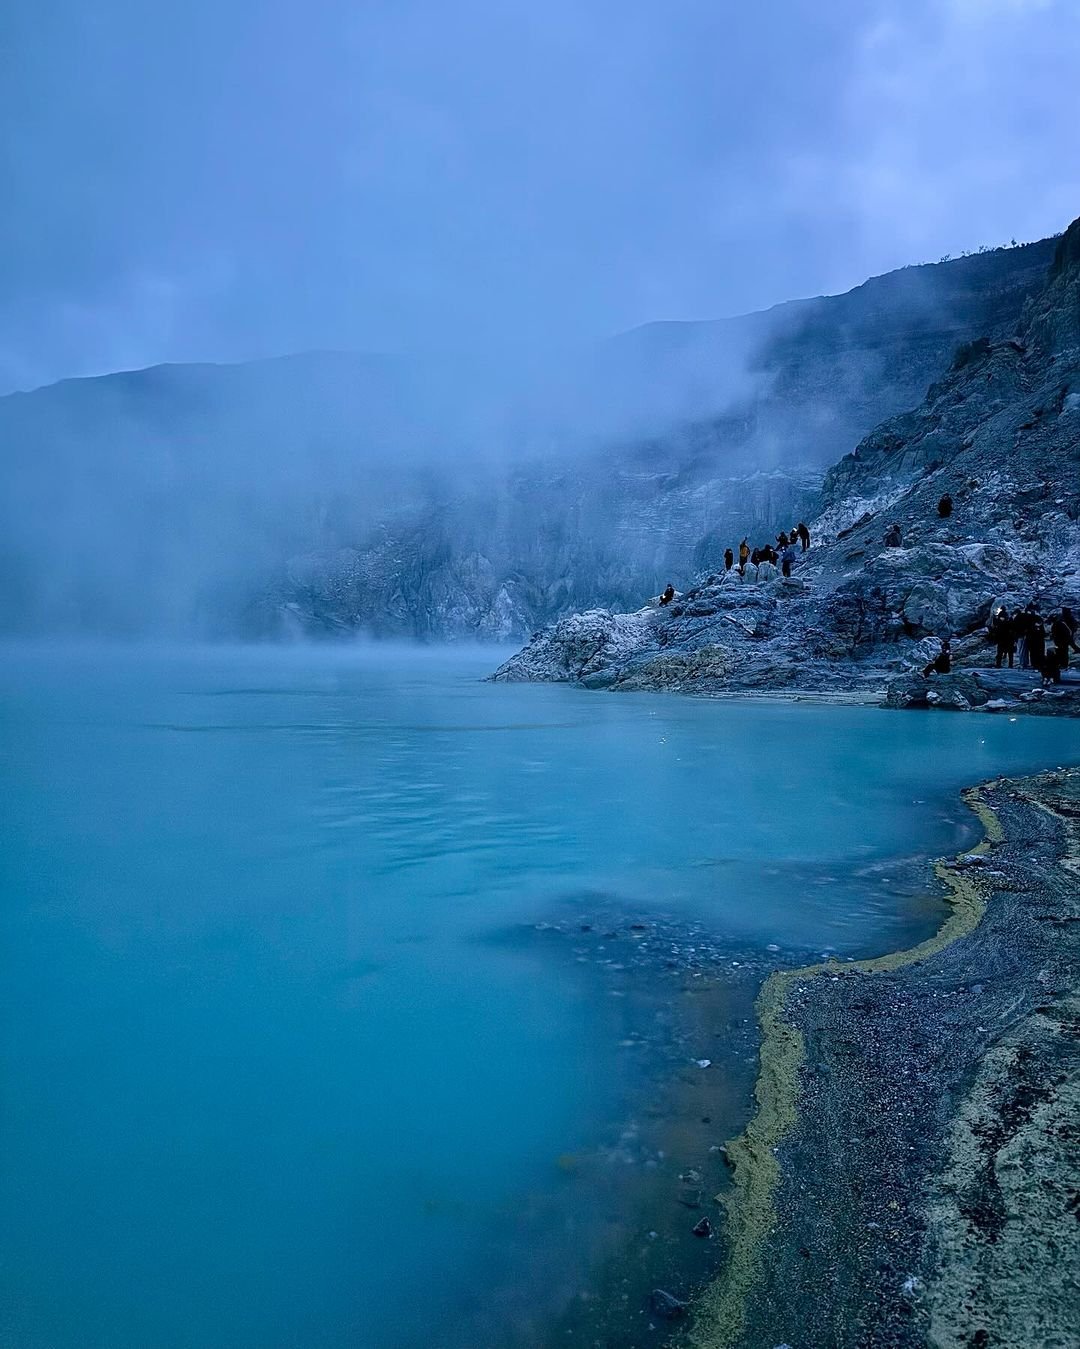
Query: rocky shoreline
[(940, 517), (911, 1177)]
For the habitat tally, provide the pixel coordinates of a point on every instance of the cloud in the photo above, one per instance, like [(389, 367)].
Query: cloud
[(222, 183)]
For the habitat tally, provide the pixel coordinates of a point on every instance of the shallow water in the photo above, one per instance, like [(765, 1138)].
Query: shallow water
[(268, 1080)]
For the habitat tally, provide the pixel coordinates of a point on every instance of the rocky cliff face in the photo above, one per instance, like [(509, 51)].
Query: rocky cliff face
[(543, 542), (999, 432), (329, 493)]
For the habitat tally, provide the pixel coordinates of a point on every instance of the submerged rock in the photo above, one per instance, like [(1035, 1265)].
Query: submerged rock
[(666, 1306)]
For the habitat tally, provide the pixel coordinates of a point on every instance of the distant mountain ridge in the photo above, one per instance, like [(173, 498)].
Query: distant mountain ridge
[(334, 493)]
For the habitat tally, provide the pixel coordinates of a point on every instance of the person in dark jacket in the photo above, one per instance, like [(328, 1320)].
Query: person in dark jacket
[(729, 559), (1036, 640), (744, 556), (782, 539), (668, 595), (1022, 626), (1003, 634), (755, 557), (1063, 639), (942, 662), (804, 535), (944, 506), (1069, 619), (893, 536)]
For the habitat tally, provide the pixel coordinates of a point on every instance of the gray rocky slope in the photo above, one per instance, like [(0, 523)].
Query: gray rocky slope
[(332, 494), (999, 431)]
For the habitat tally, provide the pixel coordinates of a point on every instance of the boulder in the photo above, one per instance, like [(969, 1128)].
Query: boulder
[(958, 692)]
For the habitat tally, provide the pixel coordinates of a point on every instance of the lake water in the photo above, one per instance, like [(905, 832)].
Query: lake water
[(271, 1075)]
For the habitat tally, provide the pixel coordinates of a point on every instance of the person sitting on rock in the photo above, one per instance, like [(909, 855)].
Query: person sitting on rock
[(942, 662), (1063, 639), (744, 557), (893, 536), (1051, 668), (668, 595), (804, 534), (944, 506), (729, 559), (1002, 633)]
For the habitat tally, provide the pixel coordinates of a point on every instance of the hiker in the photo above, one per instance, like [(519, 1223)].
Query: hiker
[(1003, 634), (744, 557), (668, 595), (1036, 641), (787, 559), (729, 559), (1068, 619), (944, 506), (1051, 668), (804, 535), (1022, 627), (1063, 639), (782, 540), (893, 537), (942, 662), (755, 557)]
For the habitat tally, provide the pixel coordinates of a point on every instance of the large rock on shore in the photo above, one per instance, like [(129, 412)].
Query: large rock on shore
[(959, 692), (580, 646)]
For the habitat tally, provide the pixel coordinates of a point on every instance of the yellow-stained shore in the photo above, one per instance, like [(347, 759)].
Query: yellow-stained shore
[(719, 1313)]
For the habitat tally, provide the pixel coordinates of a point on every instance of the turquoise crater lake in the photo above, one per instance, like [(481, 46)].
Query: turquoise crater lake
[(269, 1078)]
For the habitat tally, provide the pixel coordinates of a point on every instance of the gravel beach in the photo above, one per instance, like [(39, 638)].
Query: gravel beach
[(912, 1176)]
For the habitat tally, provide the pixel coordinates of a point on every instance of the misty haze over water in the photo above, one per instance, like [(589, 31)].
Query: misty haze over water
[(348, 994), (288, 1071)]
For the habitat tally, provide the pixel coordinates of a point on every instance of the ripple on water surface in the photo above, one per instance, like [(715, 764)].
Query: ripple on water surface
[(293, 1063)]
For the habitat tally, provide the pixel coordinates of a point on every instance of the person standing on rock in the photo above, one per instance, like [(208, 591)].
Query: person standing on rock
[(1002, 633), (744, 557), (942, 662), (782, 540), (894, 537), (729, 559), (944, 506), (787, 559), (1036, 641), (804, 534), (1063, 639)]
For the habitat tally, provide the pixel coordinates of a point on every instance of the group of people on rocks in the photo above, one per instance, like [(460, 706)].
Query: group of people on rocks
[(766, 560), (1043, 644)]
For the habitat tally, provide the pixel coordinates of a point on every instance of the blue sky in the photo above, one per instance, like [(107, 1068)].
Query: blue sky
[(234, 179)]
